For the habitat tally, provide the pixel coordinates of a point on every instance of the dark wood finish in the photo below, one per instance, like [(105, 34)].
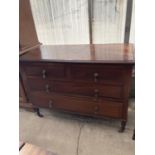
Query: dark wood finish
[(38, 112), (22, 92), (67, 78), (123, 124), (28, 106), (96, 73), (23, 98), (27, 40), (84, 105), (27, 33), (79, 88), (45, 70), (108, 53), (25, 50)]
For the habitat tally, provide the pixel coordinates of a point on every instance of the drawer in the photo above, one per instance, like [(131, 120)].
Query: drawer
[(81, 105), (108, 109), (45, 71), (98, 73), (77, 88), (89, 89), (37, 84), (62, 102)]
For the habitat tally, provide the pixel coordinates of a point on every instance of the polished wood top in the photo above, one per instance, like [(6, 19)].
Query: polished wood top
[(97, 53)]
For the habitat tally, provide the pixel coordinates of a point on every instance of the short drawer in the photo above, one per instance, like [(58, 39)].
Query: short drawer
[(77, 88), (37, 84), (45, 71), (98, 73)]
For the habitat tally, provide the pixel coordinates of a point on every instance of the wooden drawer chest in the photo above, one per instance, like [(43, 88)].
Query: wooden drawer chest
[(91, 80)]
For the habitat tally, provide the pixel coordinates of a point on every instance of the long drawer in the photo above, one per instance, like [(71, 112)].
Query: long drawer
[(79, 88), (81, 105)]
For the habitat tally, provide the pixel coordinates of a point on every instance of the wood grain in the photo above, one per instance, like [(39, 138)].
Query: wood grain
[(83, 105), (79, 88), (91, 80), (27, 33), (107, 53)]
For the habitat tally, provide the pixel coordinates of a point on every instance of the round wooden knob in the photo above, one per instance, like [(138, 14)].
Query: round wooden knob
[(96, 91), (43, 73), (96, 74), (50, 104), (96, 109), (47, 87)]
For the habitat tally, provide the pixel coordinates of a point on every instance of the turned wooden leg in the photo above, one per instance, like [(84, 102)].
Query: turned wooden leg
[(133, 136), (38, 112), (122, 128)]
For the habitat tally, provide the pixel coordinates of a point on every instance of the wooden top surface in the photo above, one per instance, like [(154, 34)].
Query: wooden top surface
[(97, 53)]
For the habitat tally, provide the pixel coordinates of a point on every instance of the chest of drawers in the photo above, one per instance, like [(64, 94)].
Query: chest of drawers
[(91, 80)]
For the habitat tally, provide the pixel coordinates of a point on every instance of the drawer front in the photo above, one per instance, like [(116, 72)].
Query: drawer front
[(81, 105), (62, 102), (109, 109), (89, 89), (45, 71), (98, 73), (77, 88)]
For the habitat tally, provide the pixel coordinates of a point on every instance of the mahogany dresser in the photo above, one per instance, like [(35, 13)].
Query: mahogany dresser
[(92, 80)]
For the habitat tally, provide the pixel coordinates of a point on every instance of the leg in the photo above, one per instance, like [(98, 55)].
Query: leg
[(133, 137), (122, 128), (38, 112)]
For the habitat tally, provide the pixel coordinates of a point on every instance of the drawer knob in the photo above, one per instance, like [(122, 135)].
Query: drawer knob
[(47, 88), (50, 104), (96, 109), (44, 73), (96, 91), (96, 75)]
